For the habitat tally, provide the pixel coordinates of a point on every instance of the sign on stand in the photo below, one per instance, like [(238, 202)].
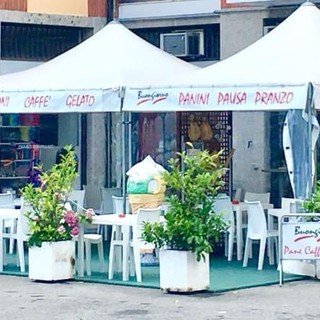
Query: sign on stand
[(299, 238)]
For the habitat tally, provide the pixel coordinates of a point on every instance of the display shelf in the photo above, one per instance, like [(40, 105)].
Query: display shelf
[(14, 177), (13, 144), (18, 144), (18, 126)]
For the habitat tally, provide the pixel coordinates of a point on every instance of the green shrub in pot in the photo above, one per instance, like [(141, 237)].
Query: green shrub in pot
[(193, 181)]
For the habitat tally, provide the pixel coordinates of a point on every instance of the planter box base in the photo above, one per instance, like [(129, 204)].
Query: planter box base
[(53, 261), (181, 272)]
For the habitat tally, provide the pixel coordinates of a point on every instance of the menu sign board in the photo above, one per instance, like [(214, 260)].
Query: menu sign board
[(301, 240)]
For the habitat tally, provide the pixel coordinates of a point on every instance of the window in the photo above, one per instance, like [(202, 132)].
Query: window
[(31, 42)]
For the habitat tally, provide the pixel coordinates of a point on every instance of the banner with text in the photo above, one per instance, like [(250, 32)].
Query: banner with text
[(216, 99), (62, 101)]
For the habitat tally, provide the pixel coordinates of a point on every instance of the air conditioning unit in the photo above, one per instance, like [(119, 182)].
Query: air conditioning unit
[(183, 44)]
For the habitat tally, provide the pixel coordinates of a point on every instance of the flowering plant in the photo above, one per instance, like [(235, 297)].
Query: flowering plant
[(51, 217)]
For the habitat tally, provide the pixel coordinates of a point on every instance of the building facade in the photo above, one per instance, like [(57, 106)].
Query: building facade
[(198, 31)]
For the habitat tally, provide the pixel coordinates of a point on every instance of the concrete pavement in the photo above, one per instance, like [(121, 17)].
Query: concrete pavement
[(23, 299)]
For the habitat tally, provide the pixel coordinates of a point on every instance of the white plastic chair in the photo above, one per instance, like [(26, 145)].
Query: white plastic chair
[(263, 197), (21, 235), (136, 242), (238, 195), (257, 230), (223, 205), (107, 206), (92, 197), (7, 201), (117, 204), (76, 197), (291, 204)]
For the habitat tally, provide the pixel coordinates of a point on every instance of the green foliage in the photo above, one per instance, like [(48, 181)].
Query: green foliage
[(313, 204), (190, 223), (49, 220)]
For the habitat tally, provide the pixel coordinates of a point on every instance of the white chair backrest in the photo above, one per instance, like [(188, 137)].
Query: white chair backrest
[(223, 206), (257, 223), (238, 195), (92, 198), (106, 196), (7, 200), (263, 197), (145, 215), (286, 202), (117, 203), (76, 198), (23, 224)]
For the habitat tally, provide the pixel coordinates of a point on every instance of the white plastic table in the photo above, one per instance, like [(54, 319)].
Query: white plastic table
[(127, 221)]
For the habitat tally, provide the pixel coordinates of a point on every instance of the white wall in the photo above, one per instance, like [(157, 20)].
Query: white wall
[(154, 9), (239, 29)]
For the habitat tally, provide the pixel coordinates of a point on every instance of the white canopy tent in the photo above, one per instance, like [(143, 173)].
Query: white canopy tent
[(278, 72), (89, 77)]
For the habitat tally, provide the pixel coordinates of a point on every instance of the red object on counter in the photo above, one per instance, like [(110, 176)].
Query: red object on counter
[(121, 215), (235, 201)]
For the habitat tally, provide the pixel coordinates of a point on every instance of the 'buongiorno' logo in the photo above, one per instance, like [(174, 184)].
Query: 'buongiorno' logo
[(153, 97), (301, 234)]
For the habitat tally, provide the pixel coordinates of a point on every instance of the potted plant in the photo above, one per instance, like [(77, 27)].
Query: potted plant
[(52, 223), (312, 205), (190, 228)]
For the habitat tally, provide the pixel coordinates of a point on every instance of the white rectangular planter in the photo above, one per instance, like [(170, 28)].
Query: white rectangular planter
[(52, 261), (181, 272)]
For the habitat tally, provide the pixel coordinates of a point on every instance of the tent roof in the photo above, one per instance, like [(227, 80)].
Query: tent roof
[(271, 74), (111, 58), (289, 54)]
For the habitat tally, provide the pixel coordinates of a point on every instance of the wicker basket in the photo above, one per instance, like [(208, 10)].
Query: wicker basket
[(146, 201)]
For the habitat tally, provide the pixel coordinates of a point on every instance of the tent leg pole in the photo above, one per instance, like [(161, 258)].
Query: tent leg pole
[(309, 110), (124, 145), (124, 161)]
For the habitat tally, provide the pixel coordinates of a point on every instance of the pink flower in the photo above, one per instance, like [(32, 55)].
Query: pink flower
[(90, 213), (75, 231), (61, 229), (70, 218)]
